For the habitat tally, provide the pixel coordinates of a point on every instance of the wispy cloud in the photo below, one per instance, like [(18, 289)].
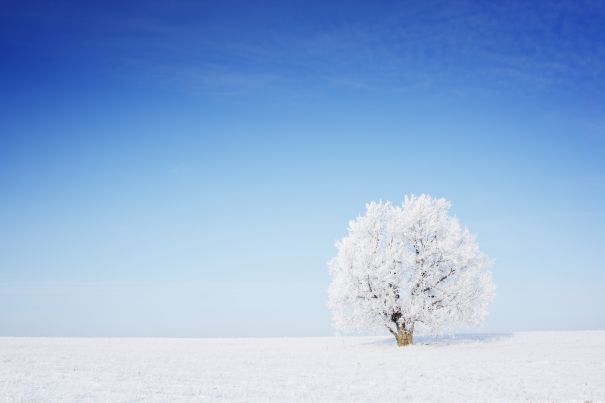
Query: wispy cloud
[(440, 45)]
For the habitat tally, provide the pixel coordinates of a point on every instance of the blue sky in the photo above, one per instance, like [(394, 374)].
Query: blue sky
[(183, 169)]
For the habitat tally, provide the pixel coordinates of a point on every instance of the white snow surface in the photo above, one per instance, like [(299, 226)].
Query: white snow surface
[(536, 366)]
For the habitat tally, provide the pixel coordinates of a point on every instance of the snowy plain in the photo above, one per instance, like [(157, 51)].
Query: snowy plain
[(536, 366)]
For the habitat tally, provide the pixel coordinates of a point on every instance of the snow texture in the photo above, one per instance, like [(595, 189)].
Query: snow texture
[(540, 366), (399, 267)]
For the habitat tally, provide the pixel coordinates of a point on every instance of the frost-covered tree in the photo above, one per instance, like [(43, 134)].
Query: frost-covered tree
[(408, 267)]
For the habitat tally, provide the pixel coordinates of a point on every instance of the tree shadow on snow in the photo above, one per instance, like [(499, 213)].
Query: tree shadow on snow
[(462, 338), (451, 339)]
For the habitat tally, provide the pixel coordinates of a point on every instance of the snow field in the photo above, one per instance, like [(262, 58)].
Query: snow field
[(536, 366)]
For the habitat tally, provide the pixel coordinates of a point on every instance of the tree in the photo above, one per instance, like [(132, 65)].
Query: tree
[(407, 268)]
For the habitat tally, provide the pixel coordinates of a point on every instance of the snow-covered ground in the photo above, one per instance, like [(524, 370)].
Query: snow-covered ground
[(537, 366)]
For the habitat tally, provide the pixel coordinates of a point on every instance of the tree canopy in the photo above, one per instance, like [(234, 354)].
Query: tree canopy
[(409, 267)]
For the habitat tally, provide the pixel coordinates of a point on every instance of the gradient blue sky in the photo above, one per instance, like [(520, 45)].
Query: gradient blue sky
[(184, 168)]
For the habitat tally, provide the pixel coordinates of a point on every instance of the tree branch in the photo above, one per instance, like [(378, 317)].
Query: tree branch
[(442, 279), (371, 290)]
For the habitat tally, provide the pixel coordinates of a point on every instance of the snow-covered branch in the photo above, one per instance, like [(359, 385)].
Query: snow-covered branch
[(408, 264)]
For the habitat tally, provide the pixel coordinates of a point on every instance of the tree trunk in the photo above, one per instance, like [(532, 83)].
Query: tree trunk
[(403, 336)]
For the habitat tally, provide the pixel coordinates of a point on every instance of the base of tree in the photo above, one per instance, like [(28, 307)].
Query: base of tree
[(403, 338)]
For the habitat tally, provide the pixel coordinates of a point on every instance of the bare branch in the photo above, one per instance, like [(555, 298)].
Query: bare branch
[(390, 330)]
